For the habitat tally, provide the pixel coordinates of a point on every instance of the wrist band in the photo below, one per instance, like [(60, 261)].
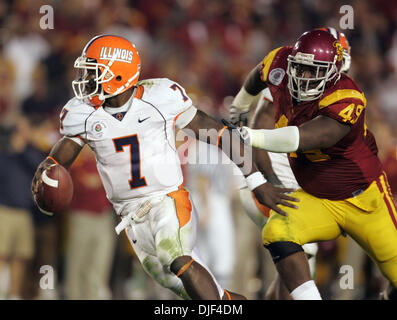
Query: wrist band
[(254, 180)]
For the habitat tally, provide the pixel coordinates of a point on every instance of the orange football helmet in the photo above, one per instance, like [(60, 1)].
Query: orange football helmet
[(108, 66), (340, 36)]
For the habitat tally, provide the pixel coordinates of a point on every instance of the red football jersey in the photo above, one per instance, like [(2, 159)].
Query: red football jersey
[(348, 167)]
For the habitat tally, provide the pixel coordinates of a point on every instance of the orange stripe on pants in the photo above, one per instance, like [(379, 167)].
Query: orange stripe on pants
[(183, 206)]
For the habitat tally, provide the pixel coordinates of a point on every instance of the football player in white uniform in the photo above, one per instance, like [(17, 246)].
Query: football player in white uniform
[(130, 126), (275, 166)]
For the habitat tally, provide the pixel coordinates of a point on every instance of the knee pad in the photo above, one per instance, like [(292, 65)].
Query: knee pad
[(181, 264), (282, 249)]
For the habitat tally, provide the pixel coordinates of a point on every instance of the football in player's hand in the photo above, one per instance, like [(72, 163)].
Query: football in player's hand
[(55, 190)]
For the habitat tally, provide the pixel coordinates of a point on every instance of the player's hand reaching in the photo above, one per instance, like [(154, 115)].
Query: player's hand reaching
[(271, 196)]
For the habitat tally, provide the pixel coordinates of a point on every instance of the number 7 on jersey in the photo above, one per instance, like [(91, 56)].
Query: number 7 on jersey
[(119, 143)]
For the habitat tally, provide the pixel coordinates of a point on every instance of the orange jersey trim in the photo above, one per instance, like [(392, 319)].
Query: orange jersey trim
[(183, 206), (139, 92), (176, 118)]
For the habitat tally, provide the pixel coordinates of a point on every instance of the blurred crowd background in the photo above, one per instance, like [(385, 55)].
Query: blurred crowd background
[(208, 47)]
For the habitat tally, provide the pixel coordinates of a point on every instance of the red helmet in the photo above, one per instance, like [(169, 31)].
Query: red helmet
[(346, 61), (313, 64)]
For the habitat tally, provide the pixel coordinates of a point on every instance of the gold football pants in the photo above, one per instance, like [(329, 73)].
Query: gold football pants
[(369, 218)]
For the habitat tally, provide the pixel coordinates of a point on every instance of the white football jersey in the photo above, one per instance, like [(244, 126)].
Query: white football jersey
[(135, 150)]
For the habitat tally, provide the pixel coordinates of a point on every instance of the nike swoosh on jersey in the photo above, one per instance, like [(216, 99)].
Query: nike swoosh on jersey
[(139, 120)]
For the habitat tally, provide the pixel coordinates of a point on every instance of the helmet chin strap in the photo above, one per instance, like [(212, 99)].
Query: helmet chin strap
[(103, 96)]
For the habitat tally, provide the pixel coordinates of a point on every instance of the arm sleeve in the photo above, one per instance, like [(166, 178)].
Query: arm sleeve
[(280, 140), (168, 97), (243, 100), (172, 101)]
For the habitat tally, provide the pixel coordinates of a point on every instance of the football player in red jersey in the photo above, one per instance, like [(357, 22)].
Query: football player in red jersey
[(320, 122), (283, 175)]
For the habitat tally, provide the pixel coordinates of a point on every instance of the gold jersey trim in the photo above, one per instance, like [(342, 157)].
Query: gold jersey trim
[(340, 95)]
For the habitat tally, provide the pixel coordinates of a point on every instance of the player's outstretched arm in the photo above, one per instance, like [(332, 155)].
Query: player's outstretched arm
[(64, 152), (240, 108), (319, 133), (207, 129)]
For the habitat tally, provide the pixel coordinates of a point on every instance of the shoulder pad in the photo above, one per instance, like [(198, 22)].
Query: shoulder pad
[(344, 102), (166, 95), (276, 59), (345, 90)]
